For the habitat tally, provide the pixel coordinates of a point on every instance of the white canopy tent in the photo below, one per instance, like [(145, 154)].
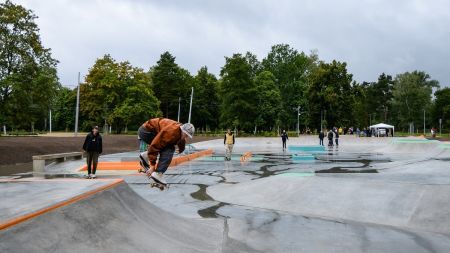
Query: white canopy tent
[(382, 126)]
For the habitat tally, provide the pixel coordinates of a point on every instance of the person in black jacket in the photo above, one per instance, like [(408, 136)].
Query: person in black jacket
[(321, 136), (336, 136), (330, 138), (93, 147), (284, 138)]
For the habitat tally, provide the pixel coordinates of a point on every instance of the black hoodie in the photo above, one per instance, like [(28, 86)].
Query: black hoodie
[(93, 143)]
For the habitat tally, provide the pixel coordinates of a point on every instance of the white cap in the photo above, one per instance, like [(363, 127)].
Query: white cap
[(188, 129)]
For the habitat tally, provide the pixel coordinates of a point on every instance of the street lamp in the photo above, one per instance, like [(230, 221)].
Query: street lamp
[(77, 108), (423, 122), (298, 121)]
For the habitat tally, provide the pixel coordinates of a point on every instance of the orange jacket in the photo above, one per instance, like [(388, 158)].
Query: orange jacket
[(168, 133)]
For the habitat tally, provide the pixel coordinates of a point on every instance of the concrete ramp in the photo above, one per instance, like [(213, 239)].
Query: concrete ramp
[(404, 205), (114, 220), (412, 145)]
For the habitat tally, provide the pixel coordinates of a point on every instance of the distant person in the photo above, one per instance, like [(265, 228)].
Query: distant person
[(228, 141), (330, 138), (336, 137), (93, 147), (433, 132), (161, 136), (284, 138), (321, 136)]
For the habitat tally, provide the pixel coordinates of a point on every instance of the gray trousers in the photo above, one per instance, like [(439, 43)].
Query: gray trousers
[(229, 150), (92, 159)]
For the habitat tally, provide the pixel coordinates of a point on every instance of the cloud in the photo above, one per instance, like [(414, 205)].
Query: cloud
[(372, 36)]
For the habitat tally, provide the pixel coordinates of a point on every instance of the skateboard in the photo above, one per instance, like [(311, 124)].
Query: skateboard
[(161, 186)]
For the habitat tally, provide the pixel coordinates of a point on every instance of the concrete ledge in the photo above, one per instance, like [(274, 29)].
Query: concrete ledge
[(39, 160), (56, 156)]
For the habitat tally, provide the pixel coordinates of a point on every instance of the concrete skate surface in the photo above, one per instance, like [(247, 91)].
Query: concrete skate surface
[(367, 195)]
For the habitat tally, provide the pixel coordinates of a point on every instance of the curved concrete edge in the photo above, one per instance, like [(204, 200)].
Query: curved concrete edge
[(20, 219), (113, 220)]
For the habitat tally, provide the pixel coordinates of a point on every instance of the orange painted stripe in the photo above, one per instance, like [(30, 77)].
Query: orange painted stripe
[(31, 215), (134, 165)]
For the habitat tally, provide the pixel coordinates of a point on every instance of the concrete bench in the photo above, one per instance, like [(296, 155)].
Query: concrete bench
[(39, 160)]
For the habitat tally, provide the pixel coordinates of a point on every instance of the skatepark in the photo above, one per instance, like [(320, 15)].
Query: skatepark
[(367, 195)]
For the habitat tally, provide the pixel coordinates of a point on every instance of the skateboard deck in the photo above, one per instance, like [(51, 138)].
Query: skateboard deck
[(161, 186)]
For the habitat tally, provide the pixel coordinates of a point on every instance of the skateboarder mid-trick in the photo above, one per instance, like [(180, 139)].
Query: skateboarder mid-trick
[(161, 136)]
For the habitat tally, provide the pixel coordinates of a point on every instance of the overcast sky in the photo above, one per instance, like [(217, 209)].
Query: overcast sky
[(371, 36)]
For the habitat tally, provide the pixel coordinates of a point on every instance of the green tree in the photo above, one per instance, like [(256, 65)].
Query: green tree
[(269, 101), (360, 108), (290, 69), (330, 93), (237, 94), (170, 82), (411, 96), (205, 109), (441, 108), (117, 94), (379, 98), (63, 109), (28, 79)]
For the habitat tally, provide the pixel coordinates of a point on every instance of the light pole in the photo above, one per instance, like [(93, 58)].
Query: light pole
[(440, 127), (321, 117), (179, 107), (423, 122), (78, 106), (190, 106), (50, 128), (298, 121)]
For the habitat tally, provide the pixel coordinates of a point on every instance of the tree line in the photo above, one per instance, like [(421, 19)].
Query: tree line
[(285, 87)]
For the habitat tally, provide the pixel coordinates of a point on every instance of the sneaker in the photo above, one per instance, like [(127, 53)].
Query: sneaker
[(93, 176), (143, 162), (87, 176), (158, 177), (143, 167)]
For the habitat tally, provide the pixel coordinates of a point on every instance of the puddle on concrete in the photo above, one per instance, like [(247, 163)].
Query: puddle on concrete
[(342, 170), (211, 212), (359, 169), (201, 193)]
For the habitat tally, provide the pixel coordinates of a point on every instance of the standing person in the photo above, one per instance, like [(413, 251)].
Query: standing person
[(284, 138), (93, 147), (161, 136), (228, 141), (321, 136), (336, 137), (330, 138)]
